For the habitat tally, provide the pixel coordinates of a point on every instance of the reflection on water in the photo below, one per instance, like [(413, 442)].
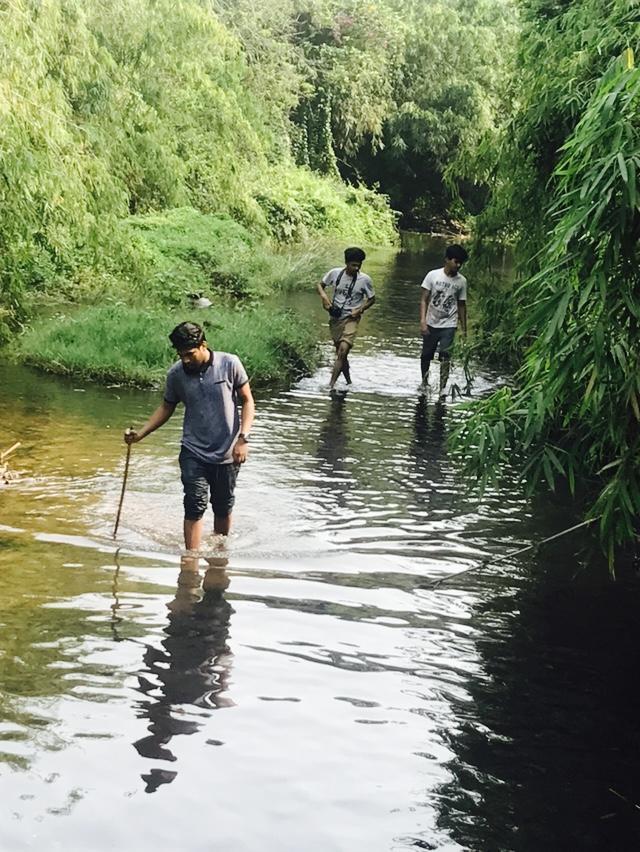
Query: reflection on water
[(190, 669), (362, 709), (333, 449), (553, 723)]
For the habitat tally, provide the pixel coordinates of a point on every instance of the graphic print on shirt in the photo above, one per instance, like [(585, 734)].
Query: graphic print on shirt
[(445, 293), (443, 299)]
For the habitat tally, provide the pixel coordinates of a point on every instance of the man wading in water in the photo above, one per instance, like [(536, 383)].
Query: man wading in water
[(215, 441), (352, 295), (443, 304)]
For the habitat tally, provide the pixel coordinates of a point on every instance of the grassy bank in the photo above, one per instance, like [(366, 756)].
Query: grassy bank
[(114, 328), (146, 157), (129, 345)]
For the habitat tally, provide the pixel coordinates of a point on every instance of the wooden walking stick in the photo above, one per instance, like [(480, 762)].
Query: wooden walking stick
[(124, 485)]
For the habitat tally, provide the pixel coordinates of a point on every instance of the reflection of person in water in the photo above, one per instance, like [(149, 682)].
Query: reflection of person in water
[(192, 667), (428, 430), (333, 442), (427, 448)]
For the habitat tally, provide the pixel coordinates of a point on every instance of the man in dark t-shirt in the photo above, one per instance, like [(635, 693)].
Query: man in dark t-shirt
[(215, 438)]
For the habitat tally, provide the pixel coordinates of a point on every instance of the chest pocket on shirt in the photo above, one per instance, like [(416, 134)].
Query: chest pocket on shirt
[(220, 385)]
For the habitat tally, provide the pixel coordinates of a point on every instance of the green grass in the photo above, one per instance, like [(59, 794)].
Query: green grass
[(181, 251), (300, 205), (130, 346)]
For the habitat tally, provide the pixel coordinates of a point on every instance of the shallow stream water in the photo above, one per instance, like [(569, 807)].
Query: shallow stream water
[(316, 695)]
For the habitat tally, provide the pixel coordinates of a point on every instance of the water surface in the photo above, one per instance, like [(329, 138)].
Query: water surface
[(328, 698)]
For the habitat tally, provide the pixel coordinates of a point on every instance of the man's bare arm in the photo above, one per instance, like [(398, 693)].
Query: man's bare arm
[(160, 416), (241, 448), (248, 408), (326, 302), (357, 312), (424, 305)]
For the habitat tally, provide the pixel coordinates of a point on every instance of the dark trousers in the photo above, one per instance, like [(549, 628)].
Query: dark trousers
[(442, 337)]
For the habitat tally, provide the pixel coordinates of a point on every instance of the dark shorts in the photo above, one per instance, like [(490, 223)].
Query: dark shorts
[(200, 479), (437, 336)]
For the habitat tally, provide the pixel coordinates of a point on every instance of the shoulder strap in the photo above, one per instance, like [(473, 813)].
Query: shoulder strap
[(347, 295), (335, 287)]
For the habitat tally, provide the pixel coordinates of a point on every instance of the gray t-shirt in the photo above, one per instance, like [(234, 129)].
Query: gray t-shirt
[(348, 295), (211, 418), (446, 291)]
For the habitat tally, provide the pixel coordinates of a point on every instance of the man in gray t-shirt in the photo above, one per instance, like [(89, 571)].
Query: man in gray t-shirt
[(215, 438)]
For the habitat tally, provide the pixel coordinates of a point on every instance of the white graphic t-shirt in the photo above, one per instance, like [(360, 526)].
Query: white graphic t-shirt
[(446, 291), (349, 294)]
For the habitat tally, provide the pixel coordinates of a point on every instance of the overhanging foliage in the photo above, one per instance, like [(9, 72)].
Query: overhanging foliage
[(575, 412)]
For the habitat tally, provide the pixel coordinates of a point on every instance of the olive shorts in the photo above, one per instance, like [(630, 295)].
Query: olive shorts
[(343, 330)]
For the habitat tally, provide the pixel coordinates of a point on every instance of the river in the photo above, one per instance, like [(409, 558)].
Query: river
[(328, 699)]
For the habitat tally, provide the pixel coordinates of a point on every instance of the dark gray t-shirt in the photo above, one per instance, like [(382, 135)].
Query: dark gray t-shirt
[(211, 418)]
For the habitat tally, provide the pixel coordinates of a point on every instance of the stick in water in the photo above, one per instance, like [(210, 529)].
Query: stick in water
[(124, 485), (5, 453)]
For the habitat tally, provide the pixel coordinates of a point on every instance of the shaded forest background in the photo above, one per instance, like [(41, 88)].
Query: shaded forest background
[(123, 124)]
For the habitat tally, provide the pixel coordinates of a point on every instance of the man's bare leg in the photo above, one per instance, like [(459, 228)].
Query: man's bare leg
[(341, 355), (193, 533), (346, 369)]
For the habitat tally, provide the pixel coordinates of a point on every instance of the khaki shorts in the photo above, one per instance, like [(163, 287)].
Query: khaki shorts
[(343, 330)]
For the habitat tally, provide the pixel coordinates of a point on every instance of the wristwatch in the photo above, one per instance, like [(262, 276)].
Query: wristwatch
[(244, 436)]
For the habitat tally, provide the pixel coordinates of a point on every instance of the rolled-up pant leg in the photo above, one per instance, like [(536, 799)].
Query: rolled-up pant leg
[(195, 485), (222, 480), (429, 345)]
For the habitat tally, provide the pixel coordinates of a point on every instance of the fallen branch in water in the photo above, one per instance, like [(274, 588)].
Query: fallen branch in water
[(491, 560)]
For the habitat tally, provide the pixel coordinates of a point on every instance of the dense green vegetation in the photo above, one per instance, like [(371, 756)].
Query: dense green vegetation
[(566, 185), (395, 93), (130, 345), (133, 110), (252, 112)]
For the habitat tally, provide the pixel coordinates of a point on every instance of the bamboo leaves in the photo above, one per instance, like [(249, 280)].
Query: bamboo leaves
[(576, 410)]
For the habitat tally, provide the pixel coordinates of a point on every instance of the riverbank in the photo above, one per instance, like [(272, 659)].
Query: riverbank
[(114, 328), (128, 345)]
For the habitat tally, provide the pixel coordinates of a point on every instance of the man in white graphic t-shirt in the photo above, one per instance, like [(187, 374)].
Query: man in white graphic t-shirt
[(443, 305), (352, 296)]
